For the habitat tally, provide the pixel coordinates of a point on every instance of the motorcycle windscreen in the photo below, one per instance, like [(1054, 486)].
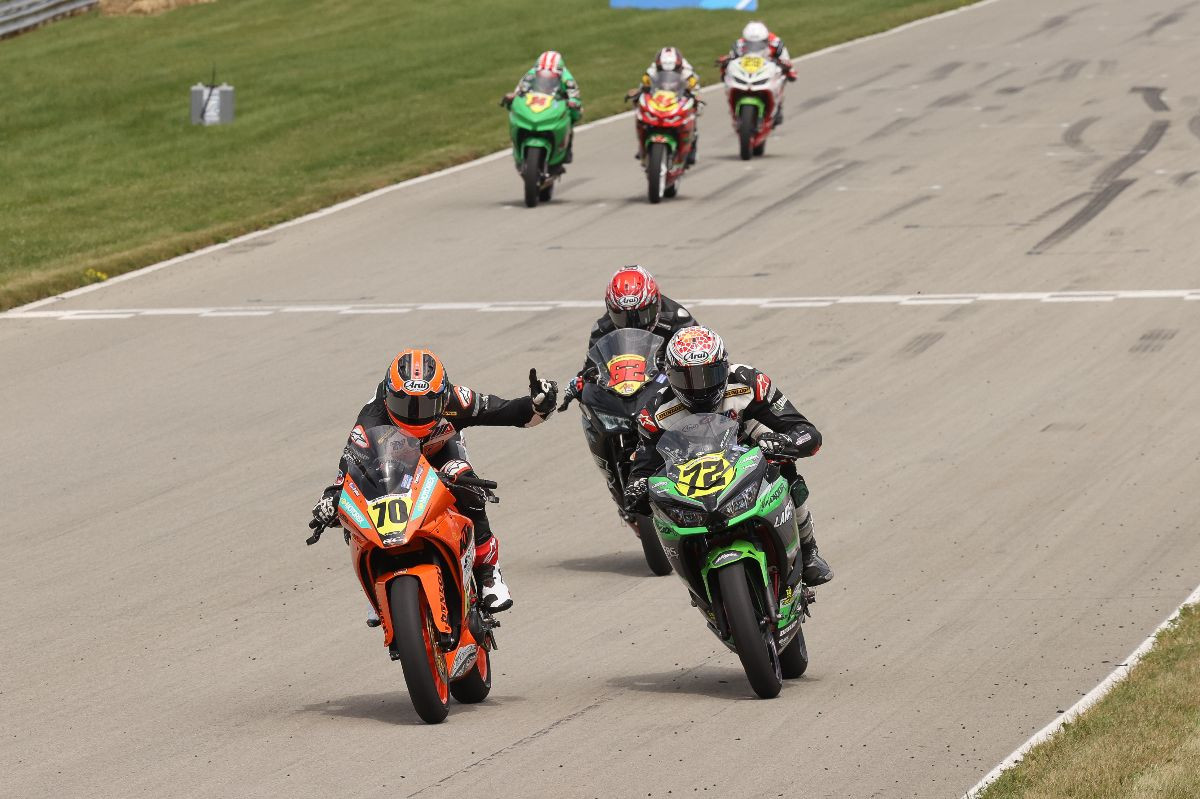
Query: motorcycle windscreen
[(383, 465), (700, 455), (626, 360), (668, 82)]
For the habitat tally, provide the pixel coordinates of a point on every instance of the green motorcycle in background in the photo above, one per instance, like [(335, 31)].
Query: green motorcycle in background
[(727, 523), (539, 122)]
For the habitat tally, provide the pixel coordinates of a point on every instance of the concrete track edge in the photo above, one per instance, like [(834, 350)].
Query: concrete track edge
[(1087, 701), (362, 198)]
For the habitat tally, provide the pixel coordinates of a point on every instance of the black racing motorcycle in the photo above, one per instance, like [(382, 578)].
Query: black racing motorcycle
[(626, 371)]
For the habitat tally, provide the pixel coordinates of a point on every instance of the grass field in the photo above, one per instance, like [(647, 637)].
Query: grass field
[(1142, 741), (100, 171)]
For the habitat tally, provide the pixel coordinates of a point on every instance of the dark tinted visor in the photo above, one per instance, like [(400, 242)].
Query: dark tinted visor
[(641, 318), (698, 380), (416, 409)]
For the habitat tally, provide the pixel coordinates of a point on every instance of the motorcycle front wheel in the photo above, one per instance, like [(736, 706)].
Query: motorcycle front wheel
[(747, 126), (531, 172), (656, 172), (755, 648), (415, 638)]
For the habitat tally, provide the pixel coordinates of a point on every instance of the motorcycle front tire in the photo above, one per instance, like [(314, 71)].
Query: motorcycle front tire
[(756, 652), (747, 127), (531, 172), (414, 638)]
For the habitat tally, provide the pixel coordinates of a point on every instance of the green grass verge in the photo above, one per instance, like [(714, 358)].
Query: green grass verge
[(101, 173), (1142, 741)]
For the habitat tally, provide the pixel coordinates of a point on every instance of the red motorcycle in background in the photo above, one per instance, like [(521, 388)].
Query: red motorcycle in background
[(666, 126)]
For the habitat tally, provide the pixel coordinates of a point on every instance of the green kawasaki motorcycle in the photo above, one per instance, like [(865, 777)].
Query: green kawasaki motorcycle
[(540, 125), (727, 523)]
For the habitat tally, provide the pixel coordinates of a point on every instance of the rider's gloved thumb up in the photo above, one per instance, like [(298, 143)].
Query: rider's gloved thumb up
[(543, 394)]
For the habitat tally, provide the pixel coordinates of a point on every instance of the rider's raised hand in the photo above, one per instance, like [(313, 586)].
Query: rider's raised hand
[(325, 512), (543, 393)]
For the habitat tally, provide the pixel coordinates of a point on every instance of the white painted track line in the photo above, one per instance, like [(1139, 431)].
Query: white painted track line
[(1087, 701), (514, 306)]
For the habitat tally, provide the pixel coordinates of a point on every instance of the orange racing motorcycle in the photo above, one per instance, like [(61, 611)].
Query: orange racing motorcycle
[(413, 553)]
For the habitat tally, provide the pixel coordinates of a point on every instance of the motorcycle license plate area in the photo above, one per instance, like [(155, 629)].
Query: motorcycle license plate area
[(703, 476), (664, 102), (391, 515), (538, 102), (627, 373), (752, 63)]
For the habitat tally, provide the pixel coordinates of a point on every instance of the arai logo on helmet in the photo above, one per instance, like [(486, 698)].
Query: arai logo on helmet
[(629, 301), (416, 386)]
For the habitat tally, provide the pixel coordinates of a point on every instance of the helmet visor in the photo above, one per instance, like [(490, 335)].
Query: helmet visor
[(416, 409), (703, 381), (641, 318)]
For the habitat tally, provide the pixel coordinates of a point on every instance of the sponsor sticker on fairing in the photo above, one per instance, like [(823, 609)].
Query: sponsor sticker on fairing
[(406, 482)]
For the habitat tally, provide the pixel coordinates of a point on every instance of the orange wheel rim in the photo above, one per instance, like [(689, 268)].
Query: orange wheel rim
[(435, 656)]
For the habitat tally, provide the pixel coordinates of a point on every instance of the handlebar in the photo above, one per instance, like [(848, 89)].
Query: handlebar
[(476, 482)]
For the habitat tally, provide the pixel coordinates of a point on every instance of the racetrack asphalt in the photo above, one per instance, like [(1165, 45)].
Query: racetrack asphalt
[(1007, 491)]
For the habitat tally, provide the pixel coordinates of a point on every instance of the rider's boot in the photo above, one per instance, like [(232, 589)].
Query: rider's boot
[(373, 619), (778, 114), (691, 156), (570, 149), (493, 591), (816, 569)]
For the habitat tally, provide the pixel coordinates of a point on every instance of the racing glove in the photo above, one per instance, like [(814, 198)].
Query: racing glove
[(637, 497), (544, 394), (507, 100), (778, 446), (325, 511), (632, 95), (575, 386), (452, 470)]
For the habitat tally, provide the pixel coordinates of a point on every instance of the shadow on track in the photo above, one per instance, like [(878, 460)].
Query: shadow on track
[(627, 564), (710, 681), (393, 707)]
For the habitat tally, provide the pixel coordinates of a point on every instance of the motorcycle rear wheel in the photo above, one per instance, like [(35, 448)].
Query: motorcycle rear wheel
[(415, 639), (656, 172), (477, 684), (531, 171), (652, 548), (755, 648), (747, 127), (793, 660)]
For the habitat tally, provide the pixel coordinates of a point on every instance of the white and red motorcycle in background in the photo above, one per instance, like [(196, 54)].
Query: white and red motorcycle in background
[(754, 85)]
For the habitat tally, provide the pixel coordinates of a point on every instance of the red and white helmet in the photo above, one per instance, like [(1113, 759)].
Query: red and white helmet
[(633, 299), (697, 368), (550, 61), (669, 59)]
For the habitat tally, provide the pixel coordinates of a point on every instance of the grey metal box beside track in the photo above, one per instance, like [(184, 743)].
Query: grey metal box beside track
[(212, 105)]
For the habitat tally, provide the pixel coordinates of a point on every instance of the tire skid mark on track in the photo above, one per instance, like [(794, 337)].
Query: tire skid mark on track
[(899, 209), (1073, 135), (1100, 200), (533, 736), (1106, 187), (1153, 95), (777, 206)]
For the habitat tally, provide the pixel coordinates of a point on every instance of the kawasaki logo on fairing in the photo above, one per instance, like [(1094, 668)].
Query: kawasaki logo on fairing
[(775, 494)]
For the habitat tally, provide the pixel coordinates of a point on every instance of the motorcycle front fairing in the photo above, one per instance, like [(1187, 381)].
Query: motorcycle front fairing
[(706, 500), (391, 493), (626, 363), (540, 118)]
